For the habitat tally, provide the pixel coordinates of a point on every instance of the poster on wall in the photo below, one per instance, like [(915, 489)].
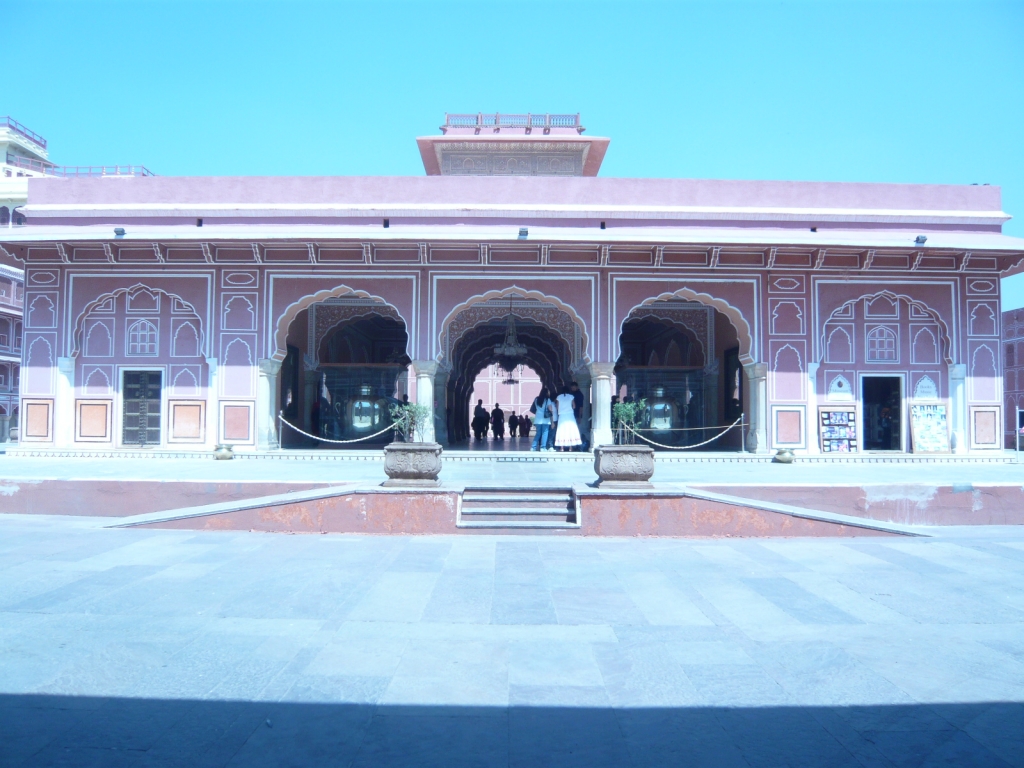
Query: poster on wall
[(837, 428), (929, 428)]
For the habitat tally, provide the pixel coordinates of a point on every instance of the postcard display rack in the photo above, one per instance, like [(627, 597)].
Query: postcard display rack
[(837, 428), (929, 428)]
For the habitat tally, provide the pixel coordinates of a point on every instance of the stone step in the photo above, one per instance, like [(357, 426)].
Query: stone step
[(562, 511), (470, 497), (520, 524)]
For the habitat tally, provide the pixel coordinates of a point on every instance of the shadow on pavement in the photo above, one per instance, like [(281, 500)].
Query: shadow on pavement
[(39, 730)]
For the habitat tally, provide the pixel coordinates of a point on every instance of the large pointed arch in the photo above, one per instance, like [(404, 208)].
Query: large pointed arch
[(844, 311), (112, 296), (293, 310), (735, 316), (580, 351)]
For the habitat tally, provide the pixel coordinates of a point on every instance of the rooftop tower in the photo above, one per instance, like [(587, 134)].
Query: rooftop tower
[(496, 144)]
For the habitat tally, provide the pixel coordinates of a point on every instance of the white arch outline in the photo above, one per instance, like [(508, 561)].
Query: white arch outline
[(195, 381), (174, 340), (110, 339), (284, 320), (80, 320), (913, 347), (501, 293), (943, 328), (743, 334), (801, 373), (93, 372), (227, 310)]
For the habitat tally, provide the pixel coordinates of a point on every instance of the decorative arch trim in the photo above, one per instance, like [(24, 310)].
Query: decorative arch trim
[(743, 334), (848, 306), (112, 296), (293, 310), (583, 357)]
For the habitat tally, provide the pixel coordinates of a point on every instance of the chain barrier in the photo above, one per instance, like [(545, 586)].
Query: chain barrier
[(280, 418), (684, 447)]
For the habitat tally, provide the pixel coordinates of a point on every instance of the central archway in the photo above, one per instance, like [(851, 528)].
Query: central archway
[(552, 332)]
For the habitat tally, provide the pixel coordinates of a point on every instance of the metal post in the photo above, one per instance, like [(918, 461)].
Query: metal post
[(743, 435)]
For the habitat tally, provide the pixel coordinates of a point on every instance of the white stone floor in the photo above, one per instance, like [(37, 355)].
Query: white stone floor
[(132, 647), (502, 470)]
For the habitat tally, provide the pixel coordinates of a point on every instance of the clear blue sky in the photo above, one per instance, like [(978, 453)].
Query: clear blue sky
[(859, 91)]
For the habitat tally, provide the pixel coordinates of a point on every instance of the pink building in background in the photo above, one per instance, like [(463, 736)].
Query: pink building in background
[(1013, 361), (12, 291), (177, 313)]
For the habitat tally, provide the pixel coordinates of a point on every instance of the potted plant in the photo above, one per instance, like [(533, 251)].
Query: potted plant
[(626, 465), (411, 463)]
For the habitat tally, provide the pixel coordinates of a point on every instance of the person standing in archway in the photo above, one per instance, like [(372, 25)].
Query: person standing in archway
[(480, 420), (541, 410), (513, 425), (498, 422), (567, 436)]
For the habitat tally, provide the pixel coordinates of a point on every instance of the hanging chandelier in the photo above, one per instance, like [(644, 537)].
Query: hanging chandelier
[(510, 352), (510, 378)]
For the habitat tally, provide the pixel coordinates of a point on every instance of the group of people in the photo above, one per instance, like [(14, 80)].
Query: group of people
[(518, 425), (556, 420)]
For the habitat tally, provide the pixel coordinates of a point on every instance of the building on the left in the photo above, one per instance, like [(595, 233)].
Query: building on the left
[(24, 155)]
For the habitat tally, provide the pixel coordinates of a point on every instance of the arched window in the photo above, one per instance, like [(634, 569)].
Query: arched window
[(5, 216), (1009, 356), (881, 345), (142, 338), (5, 332)]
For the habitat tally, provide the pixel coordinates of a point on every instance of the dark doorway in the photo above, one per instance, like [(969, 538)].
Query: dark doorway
[(882, 403), (140, 397)]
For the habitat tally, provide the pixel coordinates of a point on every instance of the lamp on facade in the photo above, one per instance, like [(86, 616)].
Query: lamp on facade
[(510, 352)]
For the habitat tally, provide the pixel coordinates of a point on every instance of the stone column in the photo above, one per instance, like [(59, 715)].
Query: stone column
[(310, 382), (425, 371), (757, 436), (586, 425), (440, 384), (709, 392), (64, 404), (266, 406), (212, 402), (958, 408), (812, 408), (601, 375)]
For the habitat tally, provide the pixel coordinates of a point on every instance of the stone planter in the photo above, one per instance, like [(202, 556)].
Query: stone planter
[(412, 465), (784, 456), (223, 452), (624, 466)]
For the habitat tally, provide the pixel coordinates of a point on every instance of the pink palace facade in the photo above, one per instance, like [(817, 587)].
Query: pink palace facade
[(176, 313)]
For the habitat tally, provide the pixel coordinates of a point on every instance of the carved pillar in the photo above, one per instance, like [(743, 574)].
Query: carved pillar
[(757, 437), (812, 408), (441, 405), (425, 371), (582, 377), (64, 404), (310, 383), (212, 402), (710, 395), (266, 405), (601, 375), (958, 408)]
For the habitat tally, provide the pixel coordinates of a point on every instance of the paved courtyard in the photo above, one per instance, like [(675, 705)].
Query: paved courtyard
[(539, 470), (130, 647)]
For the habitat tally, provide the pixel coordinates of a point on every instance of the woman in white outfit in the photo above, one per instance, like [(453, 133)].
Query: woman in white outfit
[(568, 434)]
